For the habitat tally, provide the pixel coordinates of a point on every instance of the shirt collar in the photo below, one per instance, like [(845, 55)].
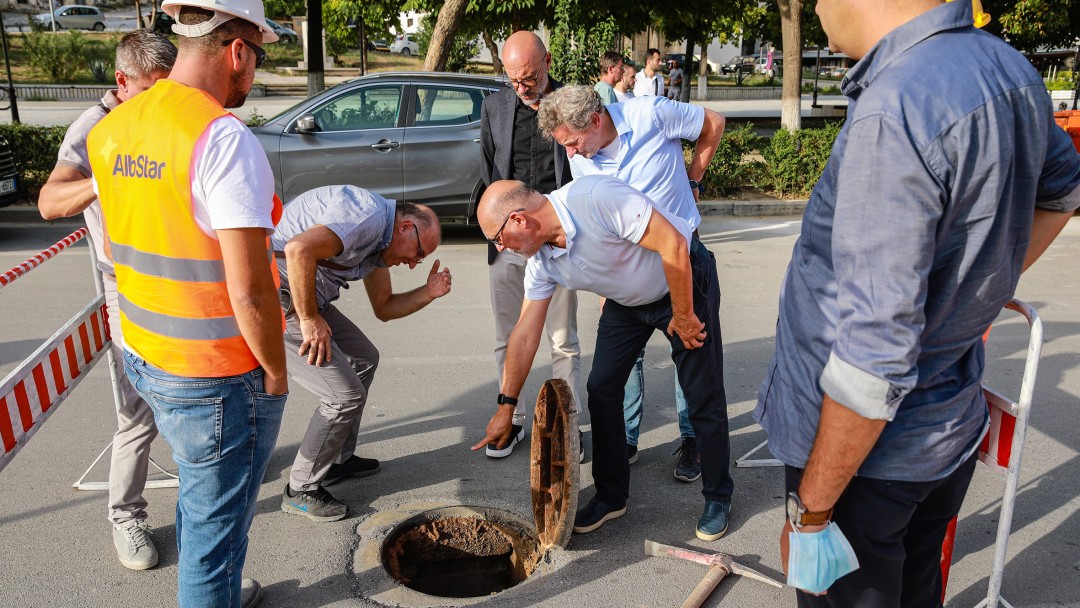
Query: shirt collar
[(949, 16), (110, 99), (390, 208), (550, 251)]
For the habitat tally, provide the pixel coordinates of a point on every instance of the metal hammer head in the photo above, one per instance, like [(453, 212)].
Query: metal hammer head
[(709, 559)]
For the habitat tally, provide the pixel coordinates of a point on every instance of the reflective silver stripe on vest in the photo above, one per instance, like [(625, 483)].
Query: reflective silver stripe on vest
[(218, 328), (177, 269)]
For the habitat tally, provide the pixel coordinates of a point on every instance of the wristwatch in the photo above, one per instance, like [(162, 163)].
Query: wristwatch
[(696, 185), (799, 516), (504, 400)]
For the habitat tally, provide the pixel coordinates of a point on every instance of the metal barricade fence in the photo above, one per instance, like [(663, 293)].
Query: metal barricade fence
[(37, 386)]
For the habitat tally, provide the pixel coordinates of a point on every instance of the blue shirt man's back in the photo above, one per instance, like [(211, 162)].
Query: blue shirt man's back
[(912, 242)]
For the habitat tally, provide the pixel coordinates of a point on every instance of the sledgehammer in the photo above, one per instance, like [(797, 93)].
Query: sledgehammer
[(720, 565)]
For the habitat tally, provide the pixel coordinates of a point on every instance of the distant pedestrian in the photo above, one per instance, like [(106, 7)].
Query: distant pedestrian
[(611, 73), (624, 89), (675, 81), (650, 81)]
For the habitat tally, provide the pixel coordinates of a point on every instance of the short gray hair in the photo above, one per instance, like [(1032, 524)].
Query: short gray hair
[(143, 52), (572, 105)]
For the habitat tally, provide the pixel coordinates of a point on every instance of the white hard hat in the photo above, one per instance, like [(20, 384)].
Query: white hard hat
[(248, 10)]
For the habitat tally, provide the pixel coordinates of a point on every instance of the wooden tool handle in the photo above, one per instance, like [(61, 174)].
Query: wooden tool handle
[(705, 587)]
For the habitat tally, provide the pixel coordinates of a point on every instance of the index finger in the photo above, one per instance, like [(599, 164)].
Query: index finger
[(435, 267)]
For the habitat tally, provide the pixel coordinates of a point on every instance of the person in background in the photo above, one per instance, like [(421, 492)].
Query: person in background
[(611, 73), (624, 89), (142, 58)]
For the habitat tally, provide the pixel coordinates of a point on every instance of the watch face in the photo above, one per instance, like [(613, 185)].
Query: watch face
[(792, 508)]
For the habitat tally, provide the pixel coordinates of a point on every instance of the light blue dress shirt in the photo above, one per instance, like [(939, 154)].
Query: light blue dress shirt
[(650, 157)]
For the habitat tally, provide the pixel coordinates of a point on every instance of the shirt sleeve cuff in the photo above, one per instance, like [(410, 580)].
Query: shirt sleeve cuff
[(863, 393), (1066, 204)]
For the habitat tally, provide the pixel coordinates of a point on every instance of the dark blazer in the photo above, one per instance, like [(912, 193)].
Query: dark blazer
[(496, 132)]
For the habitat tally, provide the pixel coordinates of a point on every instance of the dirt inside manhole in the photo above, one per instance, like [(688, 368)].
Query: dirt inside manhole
[(460, 556)]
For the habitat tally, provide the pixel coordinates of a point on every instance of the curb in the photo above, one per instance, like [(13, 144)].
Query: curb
[(752, 208), (28, 214)]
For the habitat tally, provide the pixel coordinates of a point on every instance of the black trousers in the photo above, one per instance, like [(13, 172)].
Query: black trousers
[(623, 331), (896, 529)]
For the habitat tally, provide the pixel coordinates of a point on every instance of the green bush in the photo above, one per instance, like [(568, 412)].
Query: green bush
[(1062, 82), (35, 149), (60, 55), (794, 160), (732, 167)]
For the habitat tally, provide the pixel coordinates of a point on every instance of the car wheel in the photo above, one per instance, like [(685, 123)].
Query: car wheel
[(289, 40), (405, 51), (99, 27)]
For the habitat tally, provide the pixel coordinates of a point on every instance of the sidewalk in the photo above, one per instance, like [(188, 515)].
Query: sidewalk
[(23, 214)]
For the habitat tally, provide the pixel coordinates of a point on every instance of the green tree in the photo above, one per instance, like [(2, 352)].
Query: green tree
[(463, 49), (579, 36), (1032, 24), (378, 17)]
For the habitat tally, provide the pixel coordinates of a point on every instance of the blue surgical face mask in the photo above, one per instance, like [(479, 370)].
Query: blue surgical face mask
[(817, 559)]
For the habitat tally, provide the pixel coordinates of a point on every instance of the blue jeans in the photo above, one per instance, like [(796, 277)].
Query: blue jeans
[(221, 431), (635, 397)]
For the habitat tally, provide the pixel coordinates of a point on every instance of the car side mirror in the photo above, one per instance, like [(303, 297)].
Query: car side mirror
[(306, 124)]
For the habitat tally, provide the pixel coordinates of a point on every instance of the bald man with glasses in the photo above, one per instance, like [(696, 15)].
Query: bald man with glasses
[(328, 237), (513, 148)]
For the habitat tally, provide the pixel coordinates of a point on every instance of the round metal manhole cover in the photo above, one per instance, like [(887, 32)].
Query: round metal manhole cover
[(554, 472)]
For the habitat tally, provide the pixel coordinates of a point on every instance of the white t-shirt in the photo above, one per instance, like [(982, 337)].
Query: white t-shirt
[(603, 219), (629, 94), (645, 86)]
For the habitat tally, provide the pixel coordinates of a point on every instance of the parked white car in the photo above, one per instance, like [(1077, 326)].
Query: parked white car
[(405, 45), (73, 17)]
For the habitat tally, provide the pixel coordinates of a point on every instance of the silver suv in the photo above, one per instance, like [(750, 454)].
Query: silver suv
[(408, 136)]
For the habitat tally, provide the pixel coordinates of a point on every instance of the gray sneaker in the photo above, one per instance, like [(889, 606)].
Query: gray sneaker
[(135, 545), (316, 505)]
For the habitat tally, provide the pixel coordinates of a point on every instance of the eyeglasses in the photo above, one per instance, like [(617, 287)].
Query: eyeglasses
[(497, 239), (524, 82), (419, 250), (260, 53)]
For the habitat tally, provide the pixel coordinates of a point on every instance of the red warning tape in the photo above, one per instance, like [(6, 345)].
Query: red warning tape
[(38, 259)]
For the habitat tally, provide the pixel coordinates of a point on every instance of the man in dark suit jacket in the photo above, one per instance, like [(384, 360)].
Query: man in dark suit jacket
[(514, 149)]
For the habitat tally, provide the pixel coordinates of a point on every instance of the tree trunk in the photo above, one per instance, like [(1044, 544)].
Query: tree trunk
[(496, 63), (316, 75), (138, 14), (791, 26), (703, 74), (684, 92), (442, 36)]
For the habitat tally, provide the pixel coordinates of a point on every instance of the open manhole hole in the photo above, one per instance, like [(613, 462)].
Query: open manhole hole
[(472, 551), (461, 552)]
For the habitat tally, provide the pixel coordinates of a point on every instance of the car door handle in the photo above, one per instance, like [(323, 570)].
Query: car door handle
[(385, 145), (476, 140)]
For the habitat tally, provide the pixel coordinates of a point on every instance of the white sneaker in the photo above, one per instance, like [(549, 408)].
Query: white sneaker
[(135, 545)]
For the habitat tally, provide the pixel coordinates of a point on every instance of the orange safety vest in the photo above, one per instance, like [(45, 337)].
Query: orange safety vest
[(174, 304)]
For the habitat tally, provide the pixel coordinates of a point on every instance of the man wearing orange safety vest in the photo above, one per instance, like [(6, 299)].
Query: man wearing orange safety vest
[(188, 207)]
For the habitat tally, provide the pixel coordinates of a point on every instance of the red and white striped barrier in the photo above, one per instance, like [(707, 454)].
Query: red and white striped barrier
[(1002, 449), (32, 392), (39, 259)]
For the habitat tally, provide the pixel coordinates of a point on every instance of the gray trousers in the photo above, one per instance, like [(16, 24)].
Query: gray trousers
[(135, 430), (342, 388), (506, 279)]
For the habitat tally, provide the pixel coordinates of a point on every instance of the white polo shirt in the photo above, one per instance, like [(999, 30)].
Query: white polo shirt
[(649, 154), (603, 219)]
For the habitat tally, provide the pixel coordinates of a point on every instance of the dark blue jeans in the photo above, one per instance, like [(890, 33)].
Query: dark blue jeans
[(221, 431), (623, 332)]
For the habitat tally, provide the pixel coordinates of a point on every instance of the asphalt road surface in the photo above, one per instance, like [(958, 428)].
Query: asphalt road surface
[(433, 394)]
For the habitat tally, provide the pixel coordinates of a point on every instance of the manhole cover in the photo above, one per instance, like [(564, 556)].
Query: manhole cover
[(448, 553)]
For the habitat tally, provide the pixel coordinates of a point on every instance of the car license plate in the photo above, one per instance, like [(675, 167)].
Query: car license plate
[(7, 185)]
